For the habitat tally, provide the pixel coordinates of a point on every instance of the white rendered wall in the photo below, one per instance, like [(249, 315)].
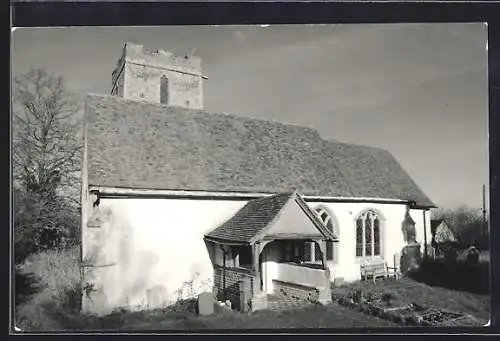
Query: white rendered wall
[(156, 245), (392, 240)]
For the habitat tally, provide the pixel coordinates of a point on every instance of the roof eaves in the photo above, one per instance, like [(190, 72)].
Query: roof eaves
[(224, 241)]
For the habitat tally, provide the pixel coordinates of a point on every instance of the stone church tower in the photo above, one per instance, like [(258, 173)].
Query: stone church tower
[(158, 76)]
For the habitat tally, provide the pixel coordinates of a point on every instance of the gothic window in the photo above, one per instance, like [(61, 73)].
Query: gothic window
[(164, 90), (376, 236), (325, 216), (368, 235), (359, 238)]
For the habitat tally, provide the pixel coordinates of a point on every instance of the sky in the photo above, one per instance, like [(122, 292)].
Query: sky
[(418, 90)]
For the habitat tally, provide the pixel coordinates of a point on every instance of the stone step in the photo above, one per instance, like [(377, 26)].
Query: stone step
[(279, 302)]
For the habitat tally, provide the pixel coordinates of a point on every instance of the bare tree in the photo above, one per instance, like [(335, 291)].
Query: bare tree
[(46, 151)]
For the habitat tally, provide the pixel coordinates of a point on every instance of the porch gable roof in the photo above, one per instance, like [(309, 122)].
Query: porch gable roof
[(252, 221)]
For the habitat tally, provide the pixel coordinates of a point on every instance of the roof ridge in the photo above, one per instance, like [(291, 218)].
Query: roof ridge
[(206, 112)]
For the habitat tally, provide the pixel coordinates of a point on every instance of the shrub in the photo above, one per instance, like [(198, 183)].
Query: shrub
[(387, 297), (56, 290), (467, 224), (370, 296), (43, 222), (189, 305), (453, 275), (25, 286), (357, 296)]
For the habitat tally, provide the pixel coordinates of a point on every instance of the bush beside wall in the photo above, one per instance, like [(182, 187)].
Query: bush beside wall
[(54, 291), (458, 276)]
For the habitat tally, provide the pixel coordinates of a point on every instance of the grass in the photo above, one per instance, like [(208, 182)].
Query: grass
[(329, 316), (406, 290), (51, 283), (48, 283)]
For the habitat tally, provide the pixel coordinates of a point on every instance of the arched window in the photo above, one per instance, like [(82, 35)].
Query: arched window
[(368, 235), (164, 90), (326, 217)]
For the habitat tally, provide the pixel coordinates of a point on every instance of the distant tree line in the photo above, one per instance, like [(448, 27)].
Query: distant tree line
[(46, 164), (468, 225)]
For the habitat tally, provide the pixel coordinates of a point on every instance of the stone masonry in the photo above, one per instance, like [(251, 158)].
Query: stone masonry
[(139, 72), (232, 289)]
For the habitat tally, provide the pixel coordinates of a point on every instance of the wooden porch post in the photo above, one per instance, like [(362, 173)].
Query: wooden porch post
[(256, 252), (322, 246), (223, 273)]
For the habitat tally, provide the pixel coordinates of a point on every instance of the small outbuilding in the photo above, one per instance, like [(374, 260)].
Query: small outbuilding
[(443, 240), (441, 233)]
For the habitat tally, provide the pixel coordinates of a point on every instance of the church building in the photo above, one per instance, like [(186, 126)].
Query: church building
[(177, 200)]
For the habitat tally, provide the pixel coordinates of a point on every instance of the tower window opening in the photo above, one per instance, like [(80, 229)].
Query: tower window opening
[(164, 90)]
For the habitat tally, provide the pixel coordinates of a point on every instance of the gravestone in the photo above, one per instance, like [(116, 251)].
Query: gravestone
[(205, 303), (410, 258), (156, 296)]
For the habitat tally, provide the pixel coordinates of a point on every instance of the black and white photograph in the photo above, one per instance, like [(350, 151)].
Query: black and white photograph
[(250, 177)]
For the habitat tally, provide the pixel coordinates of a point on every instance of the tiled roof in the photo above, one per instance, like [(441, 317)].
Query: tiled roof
[(136, 144), (253, 218)]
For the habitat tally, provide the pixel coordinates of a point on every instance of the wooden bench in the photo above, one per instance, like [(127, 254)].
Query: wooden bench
[(374, 270)]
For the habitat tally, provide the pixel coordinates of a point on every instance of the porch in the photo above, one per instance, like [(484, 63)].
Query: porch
[(270, 276), (273, 262)]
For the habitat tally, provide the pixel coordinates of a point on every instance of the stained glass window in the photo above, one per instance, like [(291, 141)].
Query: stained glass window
[(368, 235), (359, 238), (376, 235)]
